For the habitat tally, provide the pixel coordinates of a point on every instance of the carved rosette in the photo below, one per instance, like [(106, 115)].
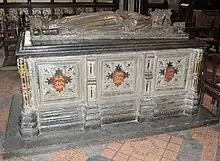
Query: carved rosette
[(28, 120)]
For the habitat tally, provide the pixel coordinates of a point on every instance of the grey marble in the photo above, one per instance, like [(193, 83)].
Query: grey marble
[(2, 135), (93, 151), (86, 47), (183, 134), (41, 157), (216, 127), (218, 154), (98, 158), (190, 149)]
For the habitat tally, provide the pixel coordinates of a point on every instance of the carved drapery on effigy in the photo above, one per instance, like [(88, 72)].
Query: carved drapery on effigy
[(82, 10)]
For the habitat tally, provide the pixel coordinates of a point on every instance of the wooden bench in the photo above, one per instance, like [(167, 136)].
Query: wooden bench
[(210, 82)]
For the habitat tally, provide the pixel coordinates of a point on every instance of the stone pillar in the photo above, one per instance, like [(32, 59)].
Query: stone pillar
[(191, 100), (92, 111), (146, 110), (28, 121)]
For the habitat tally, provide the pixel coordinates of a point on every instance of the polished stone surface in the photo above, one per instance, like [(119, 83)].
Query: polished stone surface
[(199, 144)]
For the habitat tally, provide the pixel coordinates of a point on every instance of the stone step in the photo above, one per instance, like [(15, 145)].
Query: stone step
[(94, 124), (118, 118), (61, 108), (58, 113), (90, 110), (117, 107), (63, 120), (169, 104), (117, 112), (64, 117), (168, 98), (146, 111), (92, 117), (77, 126), (168, 113)]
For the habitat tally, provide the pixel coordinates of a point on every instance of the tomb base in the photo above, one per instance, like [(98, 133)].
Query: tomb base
[(16, 146)]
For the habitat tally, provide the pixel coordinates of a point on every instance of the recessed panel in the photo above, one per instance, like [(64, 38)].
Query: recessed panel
[(118, 76), (59, 81), (171, 72)]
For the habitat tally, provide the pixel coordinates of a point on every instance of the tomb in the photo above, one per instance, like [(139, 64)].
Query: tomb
[(104, 76)]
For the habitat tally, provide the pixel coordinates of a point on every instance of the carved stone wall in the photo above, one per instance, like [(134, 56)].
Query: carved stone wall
[(84, 92)]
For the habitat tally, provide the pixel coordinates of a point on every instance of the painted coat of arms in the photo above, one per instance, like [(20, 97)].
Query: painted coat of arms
[(118, 76), (59, 80), (169, 72)]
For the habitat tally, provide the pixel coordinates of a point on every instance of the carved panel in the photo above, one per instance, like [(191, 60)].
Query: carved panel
[(118, 76), (59, 81), (87, 10), (45, 12), (2, 23), (15, 12), (104, 9), (105, 1), (2, 13), (60, 12), (171, 72)]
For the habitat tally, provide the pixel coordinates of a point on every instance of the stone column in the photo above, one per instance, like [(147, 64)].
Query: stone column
[(28, 121), (92, 110), (192, 96)]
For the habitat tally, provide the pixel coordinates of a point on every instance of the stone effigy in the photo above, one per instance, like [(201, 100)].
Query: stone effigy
[(107, 74), (106, 25)]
